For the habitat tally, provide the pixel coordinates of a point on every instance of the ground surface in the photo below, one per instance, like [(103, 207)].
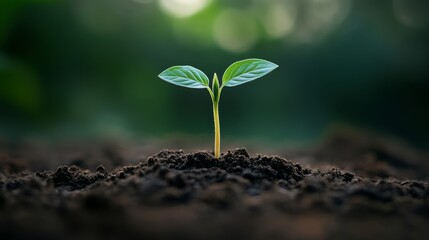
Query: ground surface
[(178, 195)]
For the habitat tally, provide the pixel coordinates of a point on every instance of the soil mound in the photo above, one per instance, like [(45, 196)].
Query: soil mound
[(192, 196)]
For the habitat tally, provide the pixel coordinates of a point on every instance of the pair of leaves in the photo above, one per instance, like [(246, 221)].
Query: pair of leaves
[(238, 73)]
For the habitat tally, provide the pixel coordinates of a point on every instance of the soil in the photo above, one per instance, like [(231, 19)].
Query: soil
[(178, 195)]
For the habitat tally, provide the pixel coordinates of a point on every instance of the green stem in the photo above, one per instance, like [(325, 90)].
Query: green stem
[(216, 129)]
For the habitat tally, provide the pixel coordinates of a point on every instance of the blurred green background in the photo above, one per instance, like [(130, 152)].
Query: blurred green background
[(85, 68)]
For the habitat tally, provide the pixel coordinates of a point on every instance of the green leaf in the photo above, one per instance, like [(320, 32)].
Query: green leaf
[(185, 76), (246, 70)]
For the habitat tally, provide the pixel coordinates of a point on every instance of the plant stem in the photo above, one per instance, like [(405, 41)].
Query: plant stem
[(216, 129)]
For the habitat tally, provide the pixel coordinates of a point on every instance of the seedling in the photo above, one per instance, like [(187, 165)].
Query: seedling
[(236, 74)]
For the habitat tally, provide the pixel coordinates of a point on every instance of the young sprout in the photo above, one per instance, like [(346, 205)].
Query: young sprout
[(236, 74)]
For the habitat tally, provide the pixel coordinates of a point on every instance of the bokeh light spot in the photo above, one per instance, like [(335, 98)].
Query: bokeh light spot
[(320, 17), (412, 13), (235, 30), (183, 8), (279, 17)]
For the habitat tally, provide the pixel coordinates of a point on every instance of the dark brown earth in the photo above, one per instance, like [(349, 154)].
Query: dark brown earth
[(177, 195)]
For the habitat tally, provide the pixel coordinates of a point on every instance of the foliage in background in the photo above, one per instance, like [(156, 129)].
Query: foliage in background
[(75, 67)]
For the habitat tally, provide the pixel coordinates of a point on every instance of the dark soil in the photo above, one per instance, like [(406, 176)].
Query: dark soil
[(176, 195)]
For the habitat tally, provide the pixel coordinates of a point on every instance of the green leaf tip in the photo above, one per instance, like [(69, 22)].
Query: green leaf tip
[(215, 88), (185, 76), (246, 70)]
